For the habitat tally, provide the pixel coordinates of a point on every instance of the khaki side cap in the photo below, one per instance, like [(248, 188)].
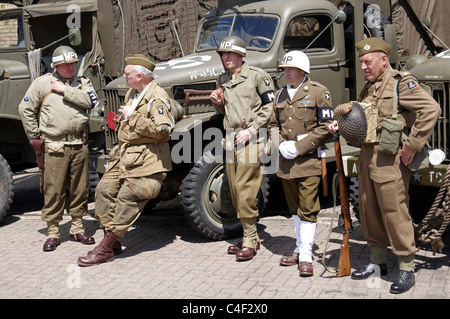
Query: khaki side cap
[(139, 59), (372, 45)]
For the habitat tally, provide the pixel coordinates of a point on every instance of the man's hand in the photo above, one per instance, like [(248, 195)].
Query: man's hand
[(243, 136), (216, 96), (333, 127), (407, 154), (288, 150), (123, 109), (58, 87)]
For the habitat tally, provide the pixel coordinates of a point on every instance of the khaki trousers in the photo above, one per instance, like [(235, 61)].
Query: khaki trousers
[(66, 186), (120, 201), (245, 178), (302, 197), (384, 201)]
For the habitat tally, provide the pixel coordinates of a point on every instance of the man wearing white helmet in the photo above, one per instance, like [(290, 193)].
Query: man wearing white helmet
[(301, 113), (244, 96), (54, 109)]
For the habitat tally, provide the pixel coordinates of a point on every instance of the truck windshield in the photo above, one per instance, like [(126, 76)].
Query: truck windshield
[(256, 31), (11, 32)]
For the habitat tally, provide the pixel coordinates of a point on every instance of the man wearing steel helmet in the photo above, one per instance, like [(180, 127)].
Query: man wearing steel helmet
[(244, 96), (383, 179), (302, 110), (61, 100), (140, 161)]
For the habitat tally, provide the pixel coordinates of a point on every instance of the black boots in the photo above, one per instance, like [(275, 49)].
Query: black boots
[(404, 282), (368, 270)]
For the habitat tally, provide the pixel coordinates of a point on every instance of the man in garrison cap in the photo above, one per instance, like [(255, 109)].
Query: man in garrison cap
[(140, 161), (384, 178)]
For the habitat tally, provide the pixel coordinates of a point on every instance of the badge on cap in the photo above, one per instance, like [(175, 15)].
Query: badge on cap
[(367, 47)]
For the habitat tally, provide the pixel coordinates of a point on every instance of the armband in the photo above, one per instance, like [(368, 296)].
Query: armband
[(325, 113), (267, 97)]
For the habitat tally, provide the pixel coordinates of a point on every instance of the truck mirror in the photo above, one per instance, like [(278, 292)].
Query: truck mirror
[(74, 36), (339, 17)]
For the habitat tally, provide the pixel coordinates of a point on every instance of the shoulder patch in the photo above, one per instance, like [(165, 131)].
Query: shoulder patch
[(413, 86)]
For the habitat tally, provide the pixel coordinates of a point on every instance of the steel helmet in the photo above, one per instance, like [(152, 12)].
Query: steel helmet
[(64, 54), (233, 44), (295, 59), (352, 122)]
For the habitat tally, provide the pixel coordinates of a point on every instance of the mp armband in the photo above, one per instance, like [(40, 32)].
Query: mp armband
[(325, 113), (267, 97)]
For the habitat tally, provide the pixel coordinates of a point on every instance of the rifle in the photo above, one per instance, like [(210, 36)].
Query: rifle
[(344, 258)]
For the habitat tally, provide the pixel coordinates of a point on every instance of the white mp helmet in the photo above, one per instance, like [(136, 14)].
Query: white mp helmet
[(295, 59), (64, 54)]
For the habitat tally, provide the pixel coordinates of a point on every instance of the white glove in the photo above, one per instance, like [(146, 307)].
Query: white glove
[(288, 150)]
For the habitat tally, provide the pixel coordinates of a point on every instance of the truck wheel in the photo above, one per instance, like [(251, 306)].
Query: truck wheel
[(6, 187), (207, 203)]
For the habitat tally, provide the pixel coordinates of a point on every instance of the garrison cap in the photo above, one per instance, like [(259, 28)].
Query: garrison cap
[(139, 59), (371, 45)]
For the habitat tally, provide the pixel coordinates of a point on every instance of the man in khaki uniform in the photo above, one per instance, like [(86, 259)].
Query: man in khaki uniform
[(244, 96), (61, 99), (384, 178), (302, 111), (139, 163)]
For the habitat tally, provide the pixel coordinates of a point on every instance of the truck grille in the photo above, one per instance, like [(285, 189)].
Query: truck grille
[(113, 102), (439, 139)]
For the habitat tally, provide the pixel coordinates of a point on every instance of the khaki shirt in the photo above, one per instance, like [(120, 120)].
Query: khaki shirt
[(61, 115), (418, 110), (248, 99), (143, 147), (308, 113)]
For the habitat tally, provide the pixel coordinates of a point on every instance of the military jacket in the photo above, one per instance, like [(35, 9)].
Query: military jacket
[(303, 119), (248, 99), (61, 115), (416, 108), (143, 147)]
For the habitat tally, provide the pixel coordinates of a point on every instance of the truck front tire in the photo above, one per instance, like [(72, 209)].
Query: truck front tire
[(6, 187), (206, 200)]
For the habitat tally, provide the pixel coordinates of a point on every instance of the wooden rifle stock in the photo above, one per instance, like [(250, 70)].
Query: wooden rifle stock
[(344, 259)]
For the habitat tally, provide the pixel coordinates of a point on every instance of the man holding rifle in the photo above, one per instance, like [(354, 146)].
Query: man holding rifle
[(384, 178), (301, 112)]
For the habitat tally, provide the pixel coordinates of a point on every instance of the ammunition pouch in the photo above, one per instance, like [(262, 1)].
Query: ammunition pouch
[(391, 130), (390, 136)]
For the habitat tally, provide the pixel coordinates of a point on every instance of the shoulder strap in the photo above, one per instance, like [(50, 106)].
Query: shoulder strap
[(42, 104), (279, 94)]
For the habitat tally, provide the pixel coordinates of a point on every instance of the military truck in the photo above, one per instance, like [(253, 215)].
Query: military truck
[(270, 29)]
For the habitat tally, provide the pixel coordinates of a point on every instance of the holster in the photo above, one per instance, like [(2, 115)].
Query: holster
[(38, 146)]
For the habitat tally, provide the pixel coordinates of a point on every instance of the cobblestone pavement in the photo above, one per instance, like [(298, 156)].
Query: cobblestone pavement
[(164, 258)]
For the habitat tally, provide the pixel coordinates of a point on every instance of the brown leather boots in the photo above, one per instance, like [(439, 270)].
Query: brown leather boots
[(102, 253)]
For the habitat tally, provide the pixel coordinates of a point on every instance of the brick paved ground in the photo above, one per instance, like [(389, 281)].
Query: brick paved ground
[(164, 258)]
